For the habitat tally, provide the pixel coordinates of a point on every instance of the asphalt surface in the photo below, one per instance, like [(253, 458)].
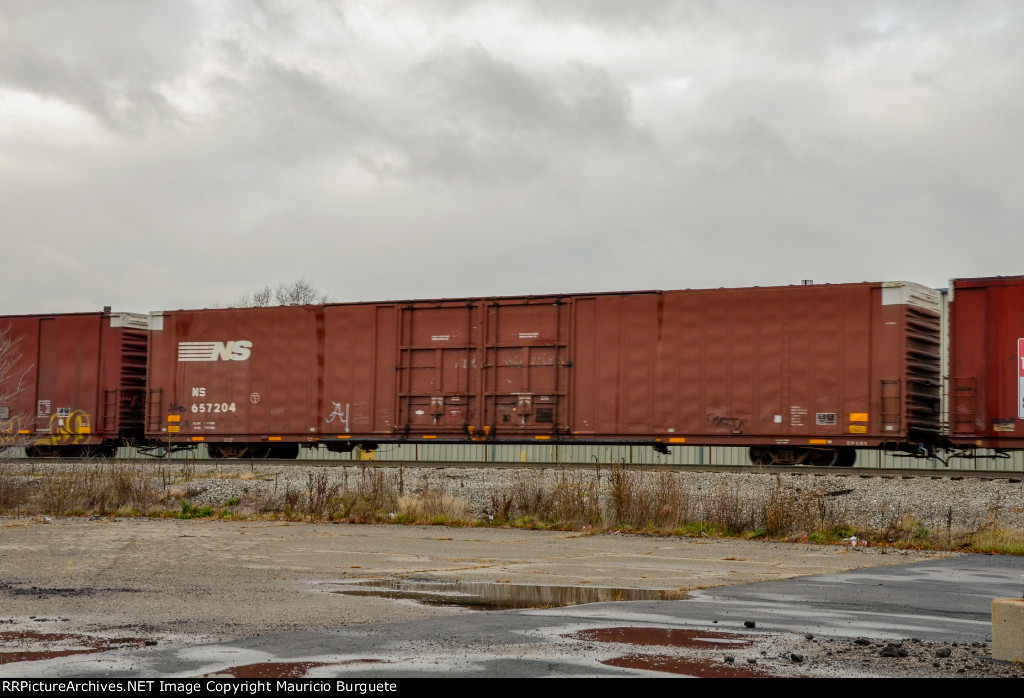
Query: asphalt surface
[(137, 598), (941, 601)]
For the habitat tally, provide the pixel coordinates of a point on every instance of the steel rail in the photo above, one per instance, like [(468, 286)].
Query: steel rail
[(856, 471)]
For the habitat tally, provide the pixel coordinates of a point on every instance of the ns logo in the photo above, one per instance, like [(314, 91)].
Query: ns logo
[(238, 350)]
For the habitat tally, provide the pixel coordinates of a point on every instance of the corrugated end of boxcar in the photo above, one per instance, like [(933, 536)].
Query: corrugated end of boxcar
[(75, 385)]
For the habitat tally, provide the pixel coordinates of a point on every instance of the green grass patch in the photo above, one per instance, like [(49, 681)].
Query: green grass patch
[(831, 536), (189, 511)]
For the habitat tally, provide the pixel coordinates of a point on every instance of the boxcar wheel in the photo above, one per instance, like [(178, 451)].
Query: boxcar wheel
[(847, 457), (258, 451), (823, 458), (284, 451)]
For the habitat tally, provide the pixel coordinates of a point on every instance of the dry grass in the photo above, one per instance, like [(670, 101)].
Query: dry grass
[(1002, 542), (89, 488), (433, 508), (608, 498), (570, 501), (650, 502), (13, 490)]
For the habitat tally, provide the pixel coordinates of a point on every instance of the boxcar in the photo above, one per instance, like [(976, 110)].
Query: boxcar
[(72, 384), (986, 363), (801, 374)]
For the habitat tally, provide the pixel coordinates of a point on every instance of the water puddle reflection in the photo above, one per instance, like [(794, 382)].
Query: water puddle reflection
[(30, 646), (666, 637), (496, 596), (687, 667), (283, 670)]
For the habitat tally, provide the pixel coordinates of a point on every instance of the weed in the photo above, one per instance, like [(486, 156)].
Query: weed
[(832, 535), (501, 505), (13, 489), (431, 504), (991, 540), (321, 493), (902, 528), (189, 511), (608, 498), (291, 501)]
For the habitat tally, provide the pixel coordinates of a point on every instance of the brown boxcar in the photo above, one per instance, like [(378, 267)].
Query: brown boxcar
[(986, 363), (244, 380), (72, 384), (799, 373)]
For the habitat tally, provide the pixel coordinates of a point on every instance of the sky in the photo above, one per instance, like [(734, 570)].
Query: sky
[(181, 154)]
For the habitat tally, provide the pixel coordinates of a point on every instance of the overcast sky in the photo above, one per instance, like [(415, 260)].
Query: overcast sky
[(173, 154)]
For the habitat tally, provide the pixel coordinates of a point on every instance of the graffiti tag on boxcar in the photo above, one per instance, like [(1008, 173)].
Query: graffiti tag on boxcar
[(340, 414), (8, 429), (67, 430), (176, 408), (734, 423)]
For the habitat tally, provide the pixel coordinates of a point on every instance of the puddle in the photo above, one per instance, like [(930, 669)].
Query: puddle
[(487, 596), (688, 667), (44, 592), (283, 670), (32, 646), (271, 670), (666, 637)]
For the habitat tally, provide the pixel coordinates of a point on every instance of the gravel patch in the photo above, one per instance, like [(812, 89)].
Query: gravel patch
[(866, 500)]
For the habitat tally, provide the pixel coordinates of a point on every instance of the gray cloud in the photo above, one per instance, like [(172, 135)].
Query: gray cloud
[(111, 59), (180, 154), (491, 121)]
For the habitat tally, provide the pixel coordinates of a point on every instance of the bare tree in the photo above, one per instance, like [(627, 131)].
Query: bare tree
[(299, 292), (259, 298), (14, 379)]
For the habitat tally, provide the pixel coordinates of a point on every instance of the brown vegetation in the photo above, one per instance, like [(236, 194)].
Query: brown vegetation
[(606, 498)]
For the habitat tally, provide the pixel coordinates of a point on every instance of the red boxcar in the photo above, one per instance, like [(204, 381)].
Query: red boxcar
[(72, 384), (986, 364), (799, 373)]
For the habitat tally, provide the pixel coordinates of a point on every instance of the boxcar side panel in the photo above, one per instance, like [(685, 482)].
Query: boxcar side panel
[(583, 394), (816, 365), (358, 367), (234, 374), (986, 383)]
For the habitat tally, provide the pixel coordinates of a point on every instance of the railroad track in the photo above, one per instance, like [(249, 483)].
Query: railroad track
[(856, 471)]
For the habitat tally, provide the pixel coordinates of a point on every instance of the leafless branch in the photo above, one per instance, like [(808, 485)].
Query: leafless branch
[(13, 377), (300, 292)]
